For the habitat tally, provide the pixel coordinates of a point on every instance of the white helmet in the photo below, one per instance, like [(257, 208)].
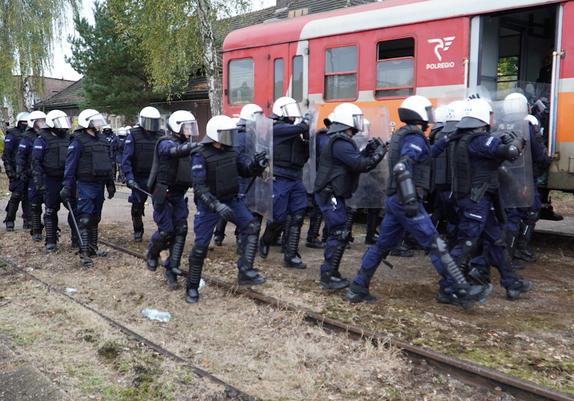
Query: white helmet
[(328, 121), (90, 118), (149, 118), (23, 117), (440, 114), (286, 107), (183, 122), (417, 109), (455, 110), (477, 113), (347, 115), (36, 119), (220, 129), (58, 119), (122, 131), (515, 103), (236, 120), (249, 112)]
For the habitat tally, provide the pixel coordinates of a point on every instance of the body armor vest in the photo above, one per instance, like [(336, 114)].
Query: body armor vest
[(465, 177), (422, 172), (54, 162), (343, 181), (175, 173), (222, 178), (442, 171), (30, 135), (17, 135), (291, 154), (94, 164), (142, 158), (120, 145)]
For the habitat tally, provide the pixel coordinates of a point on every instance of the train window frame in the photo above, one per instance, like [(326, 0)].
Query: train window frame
[(275, 76), (300, 89), (378, 93), (230, 72), (326, 75)]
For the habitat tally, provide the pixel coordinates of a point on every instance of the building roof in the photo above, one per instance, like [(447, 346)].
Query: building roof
[(66, 98)]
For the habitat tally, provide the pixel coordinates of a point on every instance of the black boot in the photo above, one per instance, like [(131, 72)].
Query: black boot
[(137, 213), (176, 250), (511, 237), (73, 228), (11, 210), (267, 238), (285, 235), (247, 275), (351, 212), (196, 258), (94, 251), (51, 223), (163, 242), (219, 233), (357, 293), (313, 240), (84, 223), (332, 279), (372, 225), (291, 258), (522, 252), (37, 227)]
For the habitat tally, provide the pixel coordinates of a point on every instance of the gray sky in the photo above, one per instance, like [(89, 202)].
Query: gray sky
[(61, 69)]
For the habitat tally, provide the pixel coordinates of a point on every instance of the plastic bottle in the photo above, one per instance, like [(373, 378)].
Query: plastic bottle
[(155, 314)]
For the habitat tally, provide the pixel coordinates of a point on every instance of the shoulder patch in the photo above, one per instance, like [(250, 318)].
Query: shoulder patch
[(416, 147), (489, 141)]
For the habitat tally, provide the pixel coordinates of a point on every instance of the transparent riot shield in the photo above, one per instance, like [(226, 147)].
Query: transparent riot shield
[(516, 179), (259, 190), (310, 168), (373, 185), (463, 94)]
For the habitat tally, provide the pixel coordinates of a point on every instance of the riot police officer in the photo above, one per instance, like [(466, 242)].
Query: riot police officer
[(137, 160), (24, 170), (410, 163), (290, 153), (18, 188), (88, 163), (476, 156), (108, 133), (117, 151), (49, 163), (169, 180), (215, 168), (337, 179)]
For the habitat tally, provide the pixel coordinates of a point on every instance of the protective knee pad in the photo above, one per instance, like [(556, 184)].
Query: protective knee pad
[(298, 218), (468, 249), (85, 221), (254, 226), (181, 228)]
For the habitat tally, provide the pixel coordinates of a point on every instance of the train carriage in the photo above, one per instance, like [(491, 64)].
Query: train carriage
[(380, 53)]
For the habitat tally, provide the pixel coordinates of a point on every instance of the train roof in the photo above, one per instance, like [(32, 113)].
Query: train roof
[(381, 14)]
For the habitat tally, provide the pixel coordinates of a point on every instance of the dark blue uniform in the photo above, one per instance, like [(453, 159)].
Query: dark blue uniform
[(316, 216), (18, 188), (24, 166), (116, 153)]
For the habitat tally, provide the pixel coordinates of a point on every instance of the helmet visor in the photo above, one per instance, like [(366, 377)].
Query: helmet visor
[(97, 121), (227, 136), (149, 124), (292, 110), (189, 128), (62, 122), (430, 115), (359, 122)]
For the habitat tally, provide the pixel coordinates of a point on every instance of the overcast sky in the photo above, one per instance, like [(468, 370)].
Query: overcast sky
[(63, 70)]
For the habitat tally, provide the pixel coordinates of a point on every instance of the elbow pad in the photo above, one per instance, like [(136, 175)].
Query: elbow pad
[(180, 151), (405, 184), (508, 152)]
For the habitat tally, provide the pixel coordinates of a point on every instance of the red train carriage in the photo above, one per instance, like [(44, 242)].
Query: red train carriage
[(382, 52)]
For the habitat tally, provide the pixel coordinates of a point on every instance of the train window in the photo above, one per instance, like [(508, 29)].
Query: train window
[(297, 73), (277, 78), (241, 79), (341, 73), (395, 68)]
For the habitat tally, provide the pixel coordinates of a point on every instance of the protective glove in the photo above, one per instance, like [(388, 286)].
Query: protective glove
[(411, 209), (308, 118), (372, 145), (10, 172), (259, 163), (224, 211), (381, 150), (65, 194), (131, 184), (474, 96), (111, 188), (508, 137)]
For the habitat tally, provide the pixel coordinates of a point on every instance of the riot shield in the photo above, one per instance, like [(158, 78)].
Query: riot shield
[(310, 168), (373, 185), (259, 191), (516, 179), (463, 94)]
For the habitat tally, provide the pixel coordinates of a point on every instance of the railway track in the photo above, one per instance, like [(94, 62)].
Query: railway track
[(463, 371)]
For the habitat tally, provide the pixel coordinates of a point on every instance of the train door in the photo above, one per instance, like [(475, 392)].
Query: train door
[(278, 74), (299, 73)]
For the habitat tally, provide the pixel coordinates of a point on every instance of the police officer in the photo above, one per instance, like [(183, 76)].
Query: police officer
[(117, 151), (18, 188), (49, 163), (337, 179), (476, 156), (24, 170), (290, 153), (108, 133), (410, 164), (316, 216), (169, 180), (137, 160), (215, 167), (88, 163)]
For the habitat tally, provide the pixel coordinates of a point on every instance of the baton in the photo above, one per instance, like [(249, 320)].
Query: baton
[(262, 163), (75, 223)]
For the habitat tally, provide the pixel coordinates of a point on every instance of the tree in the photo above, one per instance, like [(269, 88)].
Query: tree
[(28, 30), (114, 80), (178, 39)]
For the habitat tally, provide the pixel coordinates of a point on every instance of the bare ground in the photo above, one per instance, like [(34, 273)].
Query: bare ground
[(269, 353)]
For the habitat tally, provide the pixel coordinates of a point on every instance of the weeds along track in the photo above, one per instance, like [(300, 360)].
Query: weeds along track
[(464, 371)]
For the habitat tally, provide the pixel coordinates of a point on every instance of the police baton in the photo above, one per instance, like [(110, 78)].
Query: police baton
[(75, 222), (262, 163)]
